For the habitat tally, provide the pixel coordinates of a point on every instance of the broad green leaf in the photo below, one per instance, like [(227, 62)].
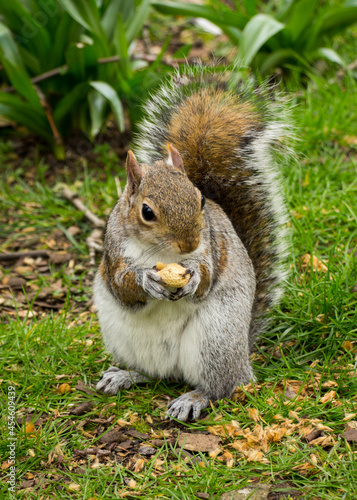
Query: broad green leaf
[(278, 57), (121, 46), (250, 7), (97, 104), (331, 55), (29, 27), (14, 68), (15, 109), (218, 16), (69, 101), (302, 15), (109, 19), (110, 94), (67, 32), (137, 20), (259, 29), (79, 57), (86, 13), (338, 18)]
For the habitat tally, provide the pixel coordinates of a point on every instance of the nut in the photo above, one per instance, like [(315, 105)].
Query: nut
[(173, 275)]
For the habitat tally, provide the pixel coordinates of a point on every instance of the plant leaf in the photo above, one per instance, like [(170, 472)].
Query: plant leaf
[(33, 118), (112, 97), (331, 55), (97, 105), (136, 22), (217, 16), (14, 68), (86, 13), (259, 29)]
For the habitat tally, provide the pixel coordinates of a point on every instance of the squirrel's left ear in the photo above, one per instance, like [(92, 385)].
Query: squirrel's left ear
[(134, 173), (175, 158)]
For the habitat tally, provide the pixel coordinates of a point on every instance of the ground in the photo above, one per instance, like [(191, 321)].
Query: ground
[(293, 431)]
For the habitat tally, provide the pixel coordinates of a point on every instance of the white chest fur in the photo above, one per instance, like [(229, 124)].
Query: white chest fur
[(162, 340)]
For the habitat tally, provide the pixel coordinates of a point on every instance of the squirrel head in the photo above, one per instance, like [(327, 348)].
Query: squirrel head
[(162, 205)]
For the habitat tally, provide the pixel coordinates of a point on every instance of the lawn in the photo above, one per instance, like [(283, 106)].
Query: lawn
[(290, 435)]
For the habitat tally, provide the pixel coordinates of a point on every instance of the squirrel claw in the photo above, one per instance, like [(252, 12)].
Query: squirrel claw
[(187, 406)]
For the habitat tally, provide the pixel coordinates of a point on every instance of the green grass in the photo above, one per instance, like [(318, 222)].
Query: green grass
[(308, 342)]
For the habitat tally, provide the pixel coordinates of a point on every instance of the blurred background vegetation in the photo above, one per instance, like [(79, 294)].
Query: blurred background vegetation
[(81, 65)]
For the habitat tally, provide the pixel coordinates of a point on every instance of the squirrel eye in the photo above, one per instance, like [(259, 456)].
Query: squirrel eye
[(147, 213), (203, 202)]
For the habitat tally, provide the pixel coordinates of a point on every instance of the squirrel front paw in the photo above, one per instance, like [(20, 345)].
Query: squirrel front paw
[(187, 405), (152, 284), (114, 379), (191, 287)]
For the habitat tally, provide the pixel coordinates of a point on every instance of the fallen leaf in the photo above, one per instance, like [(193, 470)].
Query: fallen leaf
[(253, 414), (113, 436), (347, 345), (259, 492), (29, 428), (64, 388), (350, 435), (81, 409), (140, 463), (74, 487), (198, 442), (329, 396), (317, 265), (290, 393)]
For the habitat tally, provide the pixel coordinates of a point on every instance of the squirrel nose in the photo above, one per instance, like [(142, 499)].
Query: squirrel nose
[(188, 246)]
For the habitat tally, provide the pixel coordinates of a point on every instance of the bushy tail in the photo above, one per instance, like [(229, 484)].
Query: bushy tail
[(225, 132)]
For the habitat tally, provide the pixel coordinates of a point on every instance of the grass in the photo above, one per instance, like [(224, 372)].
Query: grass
[(311, 346)]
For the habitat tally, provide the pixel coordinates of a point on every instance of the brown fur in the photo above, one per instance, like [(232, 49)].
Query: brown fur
[(121, 281)]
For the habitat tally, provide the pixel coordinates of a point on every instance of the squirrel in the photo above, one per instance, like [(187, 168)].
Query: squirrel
[(203, 190)]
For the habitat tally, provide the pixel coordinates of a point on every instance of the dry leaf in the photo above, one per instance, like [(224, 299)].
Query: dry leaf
[(64, 388), (317, 265), (198, 442), (348, 416), (253, 414), (140, 463), (29, 428), (74, 487), (256, 492), (347, 345), (329, 396), (350, 435)]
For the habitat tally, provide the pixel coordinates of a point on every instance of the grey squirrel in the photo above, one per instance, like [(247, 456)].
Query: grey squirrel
[(206, 194)]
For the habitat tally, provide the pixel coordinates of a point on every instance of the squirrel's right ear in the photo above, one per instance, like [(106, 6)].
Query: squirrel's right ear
[(134, 173)]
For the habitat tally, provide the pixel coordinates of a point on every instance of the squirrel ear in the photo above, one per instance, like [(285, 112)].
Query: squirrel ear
[(175, 158), (134, 172)]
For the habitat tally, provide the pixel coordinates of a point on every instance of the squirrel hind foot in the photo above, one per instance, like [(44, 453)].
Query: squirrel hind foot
[(187, 406), (114, 379)]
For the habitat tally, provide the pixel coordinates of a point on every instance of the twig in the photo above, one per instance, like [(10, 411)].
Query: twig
[(19, 255), (117, 183), (50, 119), (94, 244), (73, 197)]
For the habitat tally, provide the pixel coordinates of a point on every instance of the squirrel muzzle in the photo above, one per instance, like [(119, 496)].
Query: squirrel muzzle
[(188, 246)]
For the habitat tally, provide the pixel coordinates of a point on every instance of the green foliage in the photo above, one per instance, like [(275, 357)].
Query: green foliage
[(295, 31), (73, 40)]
